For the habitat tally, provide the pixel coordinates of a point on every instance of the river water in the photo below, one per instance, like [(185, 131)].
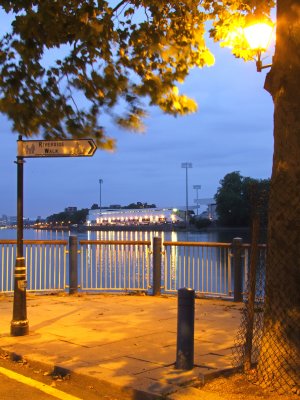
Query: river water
[(222, 235)]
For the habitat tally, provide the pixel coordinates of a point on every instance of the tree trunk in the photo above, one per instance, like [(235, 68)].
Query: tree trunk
[(279, 358)]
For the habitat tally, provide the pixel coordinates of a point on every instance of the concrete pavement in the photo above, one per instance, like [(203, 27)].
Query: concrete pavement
[(128, 341)]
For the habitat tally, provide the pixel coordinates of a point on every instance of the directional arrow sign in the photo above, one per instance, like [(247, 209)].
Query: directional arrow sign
[(56, 148)]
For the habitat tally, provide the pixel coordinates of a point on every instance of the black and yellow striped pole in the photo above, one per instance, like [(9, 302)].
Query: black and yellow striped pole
[(19, 323)]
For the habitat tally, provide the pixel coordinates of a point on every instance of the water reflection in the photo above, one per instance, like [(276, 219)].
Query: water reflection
[(221, 235)]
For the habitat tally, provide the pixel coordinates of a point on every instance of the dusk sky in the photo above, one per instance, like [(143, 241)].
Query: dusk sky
[(231, 131)]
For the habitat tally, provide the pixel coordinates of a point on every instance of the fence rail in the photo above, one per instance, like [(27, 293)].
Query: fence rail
[(45, 260), (213, 269), (205, 267), (114, 265)]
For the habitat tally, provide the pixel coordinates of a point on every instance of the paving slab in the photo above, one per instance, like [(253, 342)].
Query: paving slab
[(124, 340)]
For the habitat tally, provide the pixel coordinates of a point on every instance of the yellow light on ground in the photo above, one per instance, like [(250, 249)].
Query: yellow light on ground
[(258, 35)]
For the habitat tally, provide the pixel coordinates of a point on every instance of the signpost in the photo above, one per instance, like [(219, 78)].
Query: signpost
[(56, 148), (30, 149)]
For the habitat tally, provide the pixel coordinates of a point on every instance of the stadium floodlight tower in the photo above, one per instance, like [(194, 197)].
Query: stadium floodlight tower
[(197, 188), (100, 199), (186, 165)]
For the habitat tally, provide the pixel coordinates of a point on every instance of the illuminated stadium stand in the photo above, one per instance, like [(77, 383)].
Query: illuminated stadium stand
[(139, 216)]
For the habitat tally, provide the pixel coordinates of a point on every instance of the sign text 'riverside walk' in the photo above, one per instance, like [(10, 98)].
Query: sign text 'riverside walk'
[(57, 148)]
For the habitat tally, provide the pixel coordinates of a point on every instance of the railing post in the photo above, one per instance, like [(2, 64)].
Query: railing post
[(157, 243), (73, 270), (237, 269), (185, 329)]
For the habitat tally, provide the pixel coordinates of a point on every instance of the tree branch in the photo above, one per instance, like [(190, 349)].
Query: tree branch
[(119, 5)]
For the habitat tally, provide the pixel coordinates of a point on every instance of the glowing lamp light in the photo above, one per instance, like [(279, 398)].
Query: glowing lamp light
[(258, 36)]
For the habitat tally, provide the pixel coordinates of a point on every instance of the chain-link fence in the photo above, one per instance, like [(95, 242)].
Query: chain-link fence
[(248, 339), (267, 343)]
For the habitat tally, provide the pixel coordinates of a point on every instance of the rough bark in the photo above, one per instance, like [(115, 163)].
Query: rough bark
[(279, 358)]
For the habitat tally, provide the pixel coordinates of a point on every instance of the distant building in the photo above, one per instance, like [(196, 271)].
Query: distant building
[(132, 216), (12, 220), (3, 220), (212, 212)]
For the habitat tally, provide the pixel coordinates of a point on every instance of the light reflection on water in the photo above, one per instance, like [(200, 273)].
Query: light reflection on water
[(203, 236)]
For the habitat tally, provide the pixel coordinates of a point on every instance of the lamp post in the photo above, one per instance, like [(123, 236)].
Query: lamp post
[(258, 36), (197, 188), (186, 165), (100, 183)]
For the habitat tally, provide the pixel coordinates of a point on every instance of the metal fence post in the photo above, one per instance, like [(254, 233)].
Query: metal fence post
[(157, 243), (73, 271), (185, 329), (251, 293), (237, 269)]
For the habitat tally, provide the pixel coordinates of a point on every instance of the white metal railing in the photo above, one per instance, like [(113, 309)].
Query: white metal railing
[(114, 265), (45, 261), (205, 267), (122, 265), (8, 257)]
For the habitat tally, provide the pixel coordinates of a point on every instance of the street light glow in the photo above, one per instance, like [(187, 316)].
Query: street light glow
[(258, 35)]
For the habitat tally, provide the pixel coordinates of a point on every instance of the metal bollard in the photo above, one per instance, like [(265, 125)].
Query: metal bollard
[(185, 329), (73, 272)]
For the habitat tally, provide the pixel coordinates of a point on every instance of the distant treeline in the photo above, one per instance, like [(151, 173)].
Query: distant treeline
[(137, 205), (238, 200)]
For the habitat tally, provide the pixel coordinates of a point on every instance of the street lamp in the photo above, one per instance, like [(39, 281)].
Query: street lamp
[(186, 165), (100, 183), (258, 36), (197, 187)]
